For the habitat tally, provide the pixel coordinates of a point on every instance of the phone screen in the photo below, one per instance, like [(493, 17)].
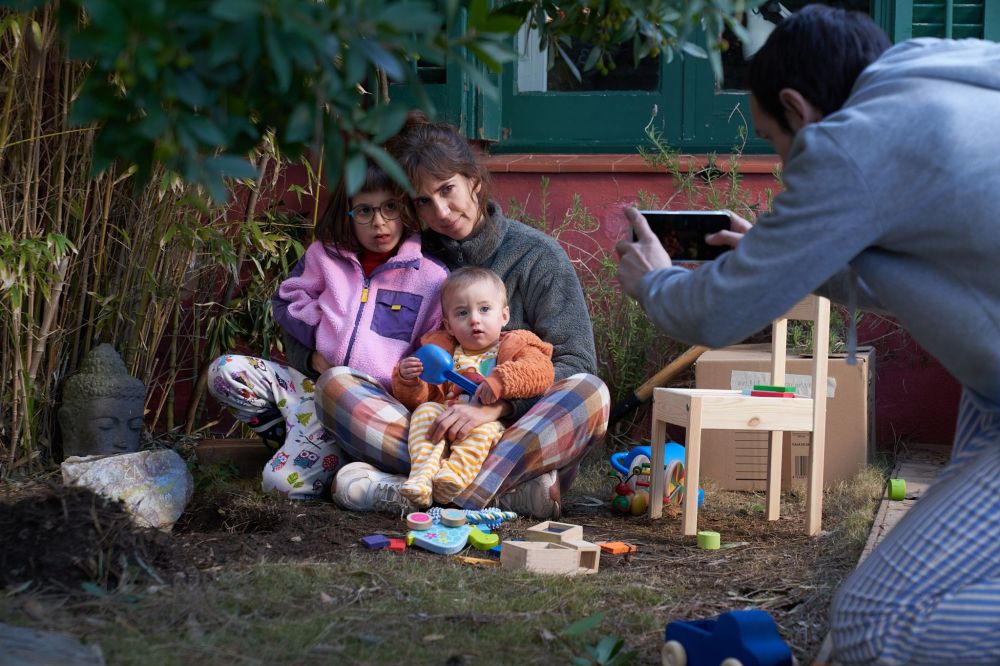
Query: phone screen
[(682, 233)]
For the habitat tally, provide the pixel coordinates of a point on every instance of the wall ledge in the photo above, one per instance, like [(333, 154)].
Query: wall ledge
[(615, 163)]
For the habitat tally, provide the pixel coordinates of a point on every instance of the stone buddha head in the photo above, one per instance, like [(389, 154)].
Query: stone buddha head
[(102, 407)]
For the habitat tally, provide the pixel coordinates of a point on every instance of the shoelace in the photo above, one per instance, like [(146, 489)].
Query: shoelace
[(385, 496)]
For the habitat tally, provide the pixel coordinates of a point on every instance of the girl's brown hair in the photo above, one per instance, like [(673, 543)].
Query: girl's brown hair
[(437, 149), (335, 227)]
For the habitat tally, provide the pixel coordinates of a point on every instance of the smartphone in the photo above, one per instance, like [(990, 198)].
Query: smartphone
[(682, 233)]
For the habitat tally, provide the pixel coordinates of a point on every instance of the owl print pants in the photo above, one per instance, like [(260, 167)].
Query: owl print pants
[(263, 394)]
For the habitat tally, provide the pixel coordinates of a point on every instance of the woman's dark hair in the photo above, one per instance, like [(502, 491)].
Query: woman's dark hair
[(819, 51), (437, 149), (334, 225)]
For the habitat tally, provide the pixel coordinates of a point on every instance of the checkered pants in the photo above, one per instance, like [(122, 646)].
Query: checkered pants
[(555, 433), (259, 392), (930, 592)]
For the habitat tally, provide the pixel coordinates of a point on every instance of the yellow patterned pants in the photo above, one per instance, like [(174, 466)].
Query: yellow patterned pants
[(434, 476)]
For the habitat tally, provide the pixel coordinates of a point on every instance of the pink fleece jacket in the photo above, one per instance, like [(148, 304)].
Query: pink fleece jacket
[(367, 323)]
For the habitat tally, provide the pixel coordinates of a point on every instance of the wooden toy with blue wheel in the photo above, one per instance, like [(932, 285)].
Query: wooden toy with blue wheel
[(736, 638)]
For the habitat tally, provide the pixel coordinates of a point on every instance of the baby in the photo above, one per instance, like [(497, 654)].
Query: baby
[(509, 364)]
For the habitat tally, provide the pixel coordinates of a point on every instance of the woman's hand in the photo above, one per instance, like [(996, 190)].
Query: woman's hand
[(319, 363), (410, 368), (456, 422), (738, 227)]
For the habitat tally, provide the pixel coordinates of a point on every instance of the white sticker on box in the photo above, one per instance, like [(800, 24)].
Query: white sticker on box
[(747, 379)]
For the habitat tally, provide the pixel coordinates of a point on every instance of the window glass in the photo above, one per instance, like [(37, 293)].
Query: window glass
[(535, 75), (759, 22)]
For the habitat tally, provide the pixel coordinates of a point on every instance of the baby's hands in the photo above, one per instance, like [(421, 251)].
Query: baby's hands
[(410, 368), (485, 395)]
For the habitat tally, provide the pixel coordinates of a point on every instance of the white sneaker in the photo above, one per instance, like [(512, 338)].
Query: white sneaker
[(361, 487), (538, 497)]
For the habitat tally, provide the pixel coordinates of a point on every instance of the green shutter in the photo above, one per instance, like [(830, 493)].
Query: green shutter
[(951, 19)]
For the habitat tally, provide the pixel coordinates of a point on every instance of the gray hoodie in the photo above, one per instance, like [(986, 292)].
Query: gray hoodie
[(896, 194)]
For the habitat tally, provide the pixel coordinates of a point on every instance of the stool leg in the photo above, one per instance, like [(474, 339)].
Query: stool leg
[(774, 475), (692, 468), (658, 475)]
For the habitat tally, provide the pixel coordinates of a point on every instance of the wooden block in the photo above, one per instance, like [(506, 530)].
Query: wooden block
[(375, 542), (774, 389), (617, 547), (453, 517), (771, 394), (398, 545), (590, 555), (419, 521), (553, 532), (540, 557)]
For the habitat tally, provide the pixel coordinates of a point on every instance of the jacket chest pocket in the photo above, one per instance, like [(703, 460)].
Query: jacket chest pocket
[(396, 314)]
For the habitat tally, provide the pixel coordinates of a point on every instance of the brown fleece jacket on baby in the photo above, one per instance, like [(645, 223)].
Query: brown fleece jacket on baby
[(523, 370)]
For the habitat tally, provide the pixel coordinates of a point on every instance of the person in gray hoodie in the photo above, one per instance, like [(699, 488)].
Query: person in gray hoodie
[(891, 183)]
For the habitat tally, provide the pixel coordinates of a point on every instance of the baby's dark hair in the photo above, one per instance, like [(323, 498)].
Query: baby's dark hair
[(437, 149), (470, 275), (334, 225)]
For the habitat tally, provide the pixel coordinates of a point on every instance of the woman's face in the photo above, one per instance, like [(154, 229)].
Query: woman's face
[(450, 207)]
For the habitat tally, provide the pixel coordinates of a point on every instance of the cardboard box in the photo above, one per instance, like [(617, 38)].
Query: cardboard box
[(737, 459)]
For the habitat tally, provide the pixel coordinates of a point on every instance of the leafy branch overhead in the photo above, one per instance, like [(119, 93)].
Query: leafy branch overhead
[(194, 85)]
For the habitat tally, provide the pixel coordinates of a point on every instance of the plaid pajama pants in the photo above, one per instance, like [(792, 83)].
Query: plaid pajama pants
[(930, 593), (555, 433), (258, 392)]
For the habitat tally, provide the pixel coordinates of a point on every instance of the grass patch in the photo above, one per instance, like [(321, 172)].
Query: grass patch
[(250, 579)]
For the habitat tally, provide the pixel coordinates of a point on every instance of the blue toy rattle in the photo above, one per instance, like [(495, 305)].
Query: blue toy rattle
[(438, 366)]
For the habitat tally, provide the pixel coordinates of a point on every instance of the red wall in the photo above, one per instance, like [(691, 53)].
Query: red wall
[(915, 398)]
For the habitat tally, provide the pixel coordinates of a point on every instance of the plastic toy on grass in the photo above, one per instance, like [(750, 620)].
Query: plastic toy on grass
[(448, 540), (438, 366), (736, 638), (630, 465)]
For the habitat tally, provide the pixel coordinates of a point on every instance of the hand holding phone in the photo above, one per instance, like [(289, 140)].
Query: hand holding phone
[(682, 233)]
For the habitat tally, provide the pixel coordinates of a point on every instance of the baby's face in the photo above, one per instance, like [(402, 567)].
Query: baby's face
[(475, 315)]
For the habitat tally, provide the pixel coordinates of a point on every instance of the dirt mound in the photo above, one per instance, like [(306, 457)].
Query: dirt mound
[(64, 537)]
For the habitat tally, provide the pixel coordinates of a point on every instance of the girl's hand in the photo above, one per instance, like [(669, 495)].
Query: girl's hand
[(456, 422), (319, 363), (485, 395), (410, 368), (738, 227)]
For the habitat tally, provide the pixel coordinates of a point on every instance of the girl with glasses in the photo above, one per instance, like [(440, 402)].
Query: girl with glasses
[(361, 296)]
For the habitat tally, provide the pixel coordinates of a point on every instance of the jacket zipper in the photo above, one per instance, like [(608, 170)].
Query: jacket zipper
[(357, 320)]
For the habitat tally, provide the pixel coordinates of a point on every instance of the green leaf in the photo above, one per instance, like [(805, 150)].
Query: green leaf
[(582, 626), (388, 164), (382, 58), (693, 49), (300, 123), (94, 589), (354, 173), (232, 166), (478, 14), (235, 10), (279, 61), (410, 17), (607, 647)]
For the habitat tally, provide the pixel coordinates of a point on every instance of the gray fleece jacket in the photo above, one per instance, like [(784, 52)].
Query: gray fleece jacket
[(543, 290), (893, 198)]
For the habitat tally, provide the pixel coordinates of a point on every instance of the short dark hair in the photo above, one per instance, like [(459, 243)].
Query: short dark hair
[(819, 51), (335, 227), (437, 149)]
